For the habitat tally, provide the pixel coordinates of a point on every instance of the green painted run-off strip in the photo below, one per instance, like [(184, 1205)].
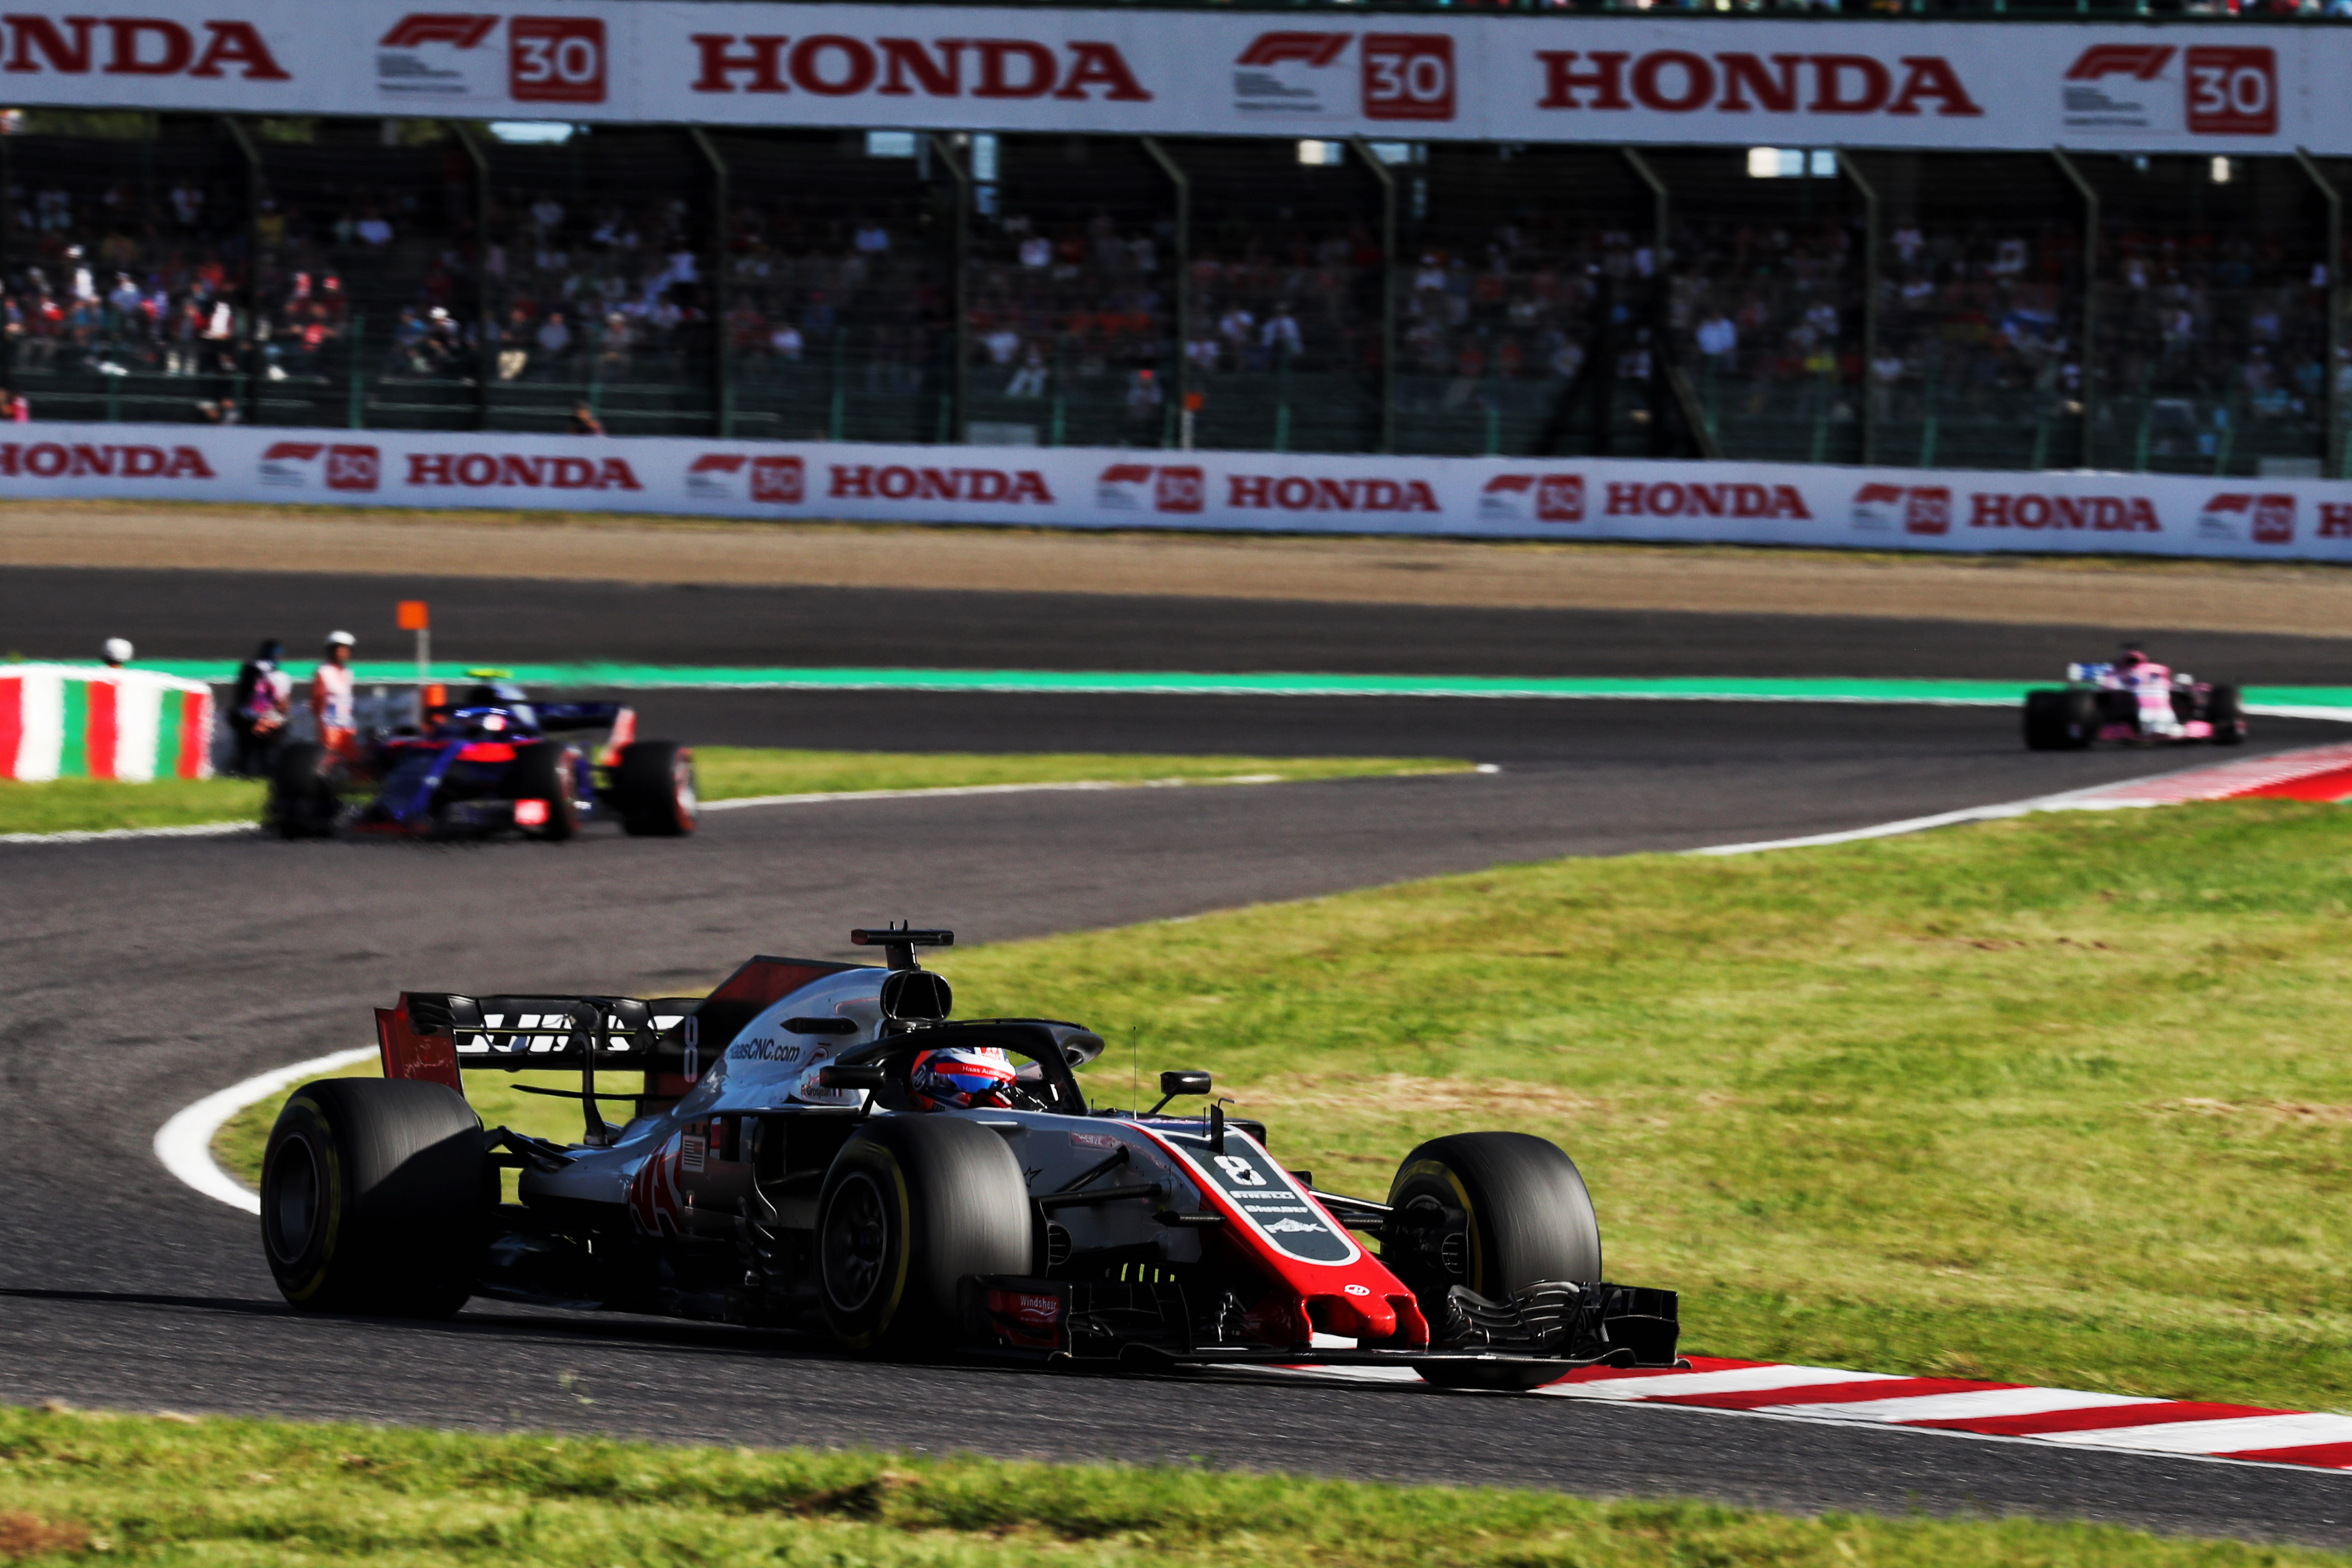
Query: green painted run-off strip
[(1738, 688)]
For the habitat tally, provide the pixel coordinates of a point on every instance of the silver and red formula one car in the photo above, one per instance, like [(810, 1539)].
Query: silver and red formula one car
[(2132, 699), (815, 1146)]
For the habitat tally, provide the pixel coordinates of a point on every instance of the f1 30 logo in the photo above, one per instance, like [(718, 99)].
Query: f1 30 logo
[(1408, 76), (556, 60), (549, 59), (2232, 92)]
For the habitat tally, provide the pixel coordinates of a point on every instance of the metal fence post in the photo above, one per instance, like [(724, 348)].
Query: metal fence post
[(486, 327), (248, 378), (2331, 459), (2088, 357), (722, 378), (1388, 288), (960, 377), (1870, 216), (1182, 378), (7, 246)]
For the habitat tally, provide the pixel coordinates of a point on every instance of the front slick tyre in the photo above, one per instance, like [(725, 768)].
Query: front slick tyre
[(545, 770), (1495, 1212), (374, 1198), (653, 786), (911, 1206)]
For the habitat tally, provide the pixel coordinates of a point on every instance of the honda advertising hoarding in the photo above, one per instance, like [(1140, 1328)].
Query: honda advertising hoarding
[(1072, 487), (2133, 88)]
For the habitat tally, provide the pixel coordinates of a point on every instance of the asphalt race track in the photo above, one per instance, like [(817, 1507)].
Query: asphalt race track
[(139, 975)]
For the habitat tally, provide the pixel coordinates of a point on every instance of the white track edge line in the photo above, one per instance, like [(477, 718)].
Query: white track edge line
[(105, 835), (184, 1143)]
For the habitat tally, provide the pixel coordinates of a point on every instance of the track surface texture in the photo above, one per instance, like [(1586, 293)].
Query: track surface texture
[(140, 975), (65, 611)]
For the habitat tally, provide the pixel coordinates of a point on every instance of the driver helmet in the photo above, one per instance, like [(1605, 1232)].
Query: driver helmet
[(958, 1078), (2131, 657)]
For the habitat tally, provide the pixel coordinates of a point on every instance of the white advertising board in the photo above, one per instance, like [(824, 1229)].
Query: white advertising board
[(1988, 84), (1076, 486)]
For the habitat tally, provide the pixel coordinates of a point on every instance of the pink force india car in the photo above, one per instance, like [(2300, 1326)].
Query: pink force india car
[(2132, 699), (815, 1146)]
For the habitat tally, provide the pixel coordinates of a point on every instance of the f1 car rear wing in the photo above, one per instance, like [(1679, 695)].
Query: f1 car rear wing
[(437, 1035)]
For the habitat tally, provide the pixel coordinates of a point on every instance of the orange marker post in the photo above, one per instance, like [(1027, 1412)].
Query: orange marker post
[(415, 617)]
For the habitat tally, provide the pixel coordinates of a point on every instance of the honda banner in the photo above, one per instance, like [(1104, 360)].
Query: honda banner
[(2132, 88), (1078, 487)]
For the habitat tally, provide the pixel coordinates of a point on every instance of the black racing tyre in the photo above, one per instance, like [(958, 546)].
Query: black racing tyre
[(2045, 721), (375, 1197), (654, 791), (911, 1206), (543, 771), (1495, 1212), (2226, 715), (304, 796)]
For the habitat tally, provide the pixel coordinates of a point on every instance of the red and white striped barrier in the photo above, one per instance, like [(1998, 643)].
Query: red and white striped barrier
[(68, 721)]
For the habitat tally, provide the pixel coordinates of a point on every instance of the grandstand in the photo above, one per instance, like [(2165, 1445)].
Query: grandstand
[(2164, 311)]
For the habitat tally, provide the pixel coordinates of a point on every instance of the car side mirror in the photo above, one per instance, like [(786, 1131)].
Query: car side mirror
[(862, 1075), (1172, 1084)]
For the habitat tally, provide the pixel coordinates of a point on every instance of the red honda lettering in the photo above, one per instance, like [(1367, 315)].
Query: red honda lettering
[(852, 484), (1248, 491), (996, 56), (1931, 76), (759, 60), (942, 78), (1562, 82), (40, 33), (857, 73), (1100, 65), (1746, 71), (430, 468), (237, 43), (1829, 81), (174, 47), (1698, 81)]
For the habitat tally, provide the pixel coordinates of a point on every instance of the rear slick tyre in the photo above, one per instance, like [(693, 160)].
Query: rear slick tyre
[(2224, 710), (302, 802), (654, 788), (1499, 1211), (374, 1198), (911, 1206)]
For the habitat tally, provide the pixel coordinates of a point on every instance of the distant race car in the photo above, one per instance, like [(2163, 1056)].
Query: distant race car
[(2133, 699), (492, 761), (845, 1161)]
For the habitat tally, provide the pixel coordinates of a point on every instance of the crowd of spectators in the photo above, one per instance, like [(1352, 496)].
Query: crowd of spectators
[(118, 276)]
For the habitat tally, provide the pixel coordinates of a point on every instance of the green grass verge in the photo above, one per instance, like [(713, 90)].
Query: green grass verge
[(93, 805), (181, 1491), (726, 773), (2060, 1100)]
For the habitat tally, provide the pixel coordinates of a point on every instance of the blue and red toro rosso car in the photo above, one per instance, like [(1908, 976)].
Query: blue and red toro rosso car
[(815, 1146), (2135, 700), (492, 761)]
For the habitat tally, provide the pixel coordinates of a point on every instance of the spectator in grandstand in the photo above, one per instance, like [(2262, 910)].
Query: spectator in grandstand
[(14, 407), (1029, 380), (584, 421), (221, 410)]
